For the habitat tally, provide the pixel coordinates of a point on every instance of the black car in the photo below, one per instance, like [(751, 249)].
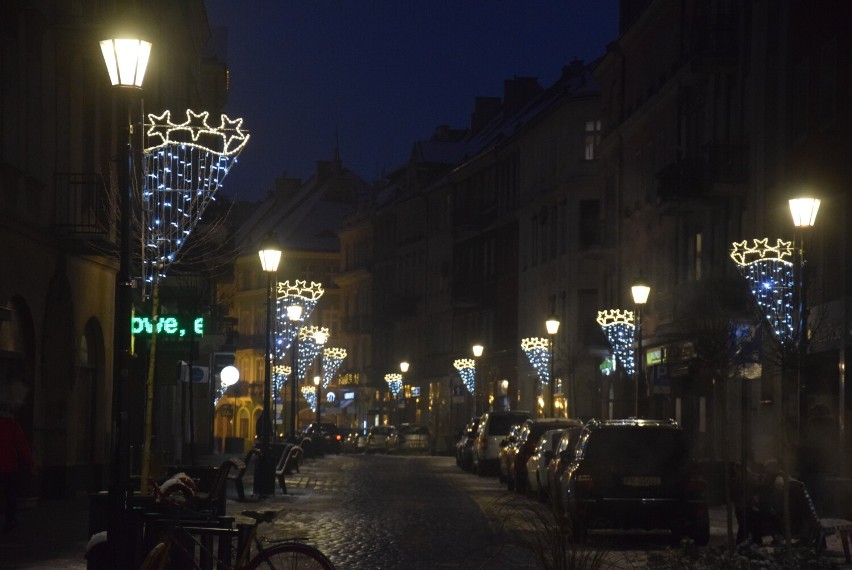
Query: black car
[(328, 434), (635, 474)]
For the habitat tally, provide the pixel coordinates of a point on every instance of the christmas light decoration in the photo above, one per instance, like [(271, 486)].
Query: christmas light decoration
[(331, 359), (771, 275), (287, 295), (394, 381), (537, 350), (309, 347), (310, 394), (185, 165), (467, 371), (619, 327)]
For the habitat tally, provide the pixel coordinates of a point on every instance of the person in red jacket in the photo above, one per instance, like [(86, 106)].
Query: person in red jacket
[(15, 458)]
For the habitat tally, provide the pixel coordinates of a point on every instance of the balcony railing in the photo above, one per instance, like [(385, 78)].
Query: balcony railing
[(83, 209)]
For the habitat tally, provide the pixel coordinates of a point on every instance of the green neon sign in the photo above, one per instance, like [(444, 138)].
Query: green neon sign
[(170, 326)]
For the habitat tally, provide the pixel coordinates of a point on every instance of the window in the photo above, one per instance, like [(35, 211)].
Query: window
[(697, 254), (593, 139)]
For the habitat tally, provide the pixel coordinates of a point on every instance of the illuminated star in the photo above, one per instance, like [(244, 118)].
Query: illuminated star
[(234, 126), (196, 123), (160, 126)]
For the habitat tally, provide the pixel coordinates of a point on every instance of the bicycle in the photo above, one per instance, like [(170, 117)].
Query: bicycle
[(287, 553)]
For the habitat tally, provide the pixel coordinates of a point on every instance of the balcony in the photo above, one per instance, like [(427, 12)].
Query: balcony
[(84, 213)]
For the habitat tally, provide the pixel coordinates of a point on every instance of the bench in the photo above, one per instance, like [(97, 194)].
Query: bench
[(237, 476), (291, 458), (824, 526)]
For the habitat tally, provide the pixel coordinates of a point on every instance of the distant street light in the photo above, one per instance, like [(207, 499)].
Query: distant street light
[(126, 60), (477, 352), (640, 294), (317, 382), (264, 474), (552, 326)]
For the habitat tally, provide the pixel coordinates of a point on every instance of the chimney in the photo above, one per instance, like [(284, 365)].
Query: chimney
[(485, 109), (518, 92)]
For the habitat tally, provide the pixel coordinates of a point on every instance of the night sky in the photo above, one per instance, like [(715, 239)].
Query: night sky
[(383, 73)]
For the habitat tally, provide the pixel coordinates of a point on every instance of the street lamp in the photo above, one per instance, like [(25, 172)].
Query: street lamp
[(126, 60), (640, 293), (229, 376), (317, 381), (264, 475), (294, 315), (403, 367), (477, 352), (552, 325)]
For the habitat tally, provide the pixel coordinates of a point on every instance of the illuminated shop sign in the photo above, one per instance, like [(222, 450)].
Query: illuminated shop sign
[(166, 326)]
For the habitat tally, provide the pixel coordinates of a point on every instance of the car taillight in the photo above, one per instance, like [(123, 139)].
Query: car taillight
[(337, 437), (584, 482)]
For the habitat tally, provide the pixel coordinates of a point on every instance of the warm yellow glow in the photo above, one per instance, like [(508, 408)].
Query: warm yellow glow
[(334, 352), (533, 343), (552, 325), (640, 294), (126, 60), (321, 336), (281, 369), (403, 366), (804, 211), (310, 292), (269, 259), (478, 349), (316, 380), (226, 139), (294, 312), (229, 375), (760, 250), (615, 317), (463, 363)]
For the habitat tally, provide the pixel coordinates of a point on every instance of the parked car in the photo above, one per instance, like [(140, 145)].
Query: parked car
[(537, 464), (410, 438), (563, 454), (326, 433), (507, 448), (531, 430), (635, 474), (493, 428), (361, 444), (464, 445), (350, 442), (377, 439)]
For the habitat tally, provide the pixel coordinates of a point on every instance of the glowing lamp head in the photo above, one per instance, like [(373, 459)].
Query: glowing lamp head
[(126, 60), (229, 375), (640, 293), (270, 257), (478, 350), (403, 366), (316, 381), (320, 337), (294, 313), (804, 211), (552, 325)]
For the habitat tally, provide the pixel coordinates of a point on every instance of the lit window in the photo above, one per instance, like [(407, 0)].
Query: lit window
[(593, 139)]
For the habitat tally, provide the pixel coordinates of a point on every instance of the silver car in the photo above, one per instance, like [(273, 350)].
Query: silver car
[(377, 439), (410, 438)]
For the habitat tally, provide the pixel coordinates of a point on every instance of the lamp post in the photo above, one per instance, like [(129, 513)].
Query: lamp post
[(229, 376), (126, 60), (640, 293), (477, 349), (403, 367), (294, 315), (317, 381), (804, 212), (552, 325), (264, 474)]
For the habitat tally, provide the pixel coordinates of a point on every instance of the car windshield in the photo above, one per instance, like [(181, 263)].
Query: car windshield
[(380, 431), (412, 430), (651, 448), (499, 424)]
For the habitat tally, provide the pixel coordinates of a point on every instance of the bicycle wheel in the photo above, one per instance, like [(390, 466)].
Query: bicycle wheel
[(290, 556)]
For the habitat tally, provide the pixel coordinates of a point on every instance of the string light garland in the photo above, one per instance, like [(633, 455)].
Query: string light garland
[(467, 372), (537, 350), (394, 380), (185, 165), (310, 394), (771, 276), (619, 327), (288, 294), (331, 359)]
